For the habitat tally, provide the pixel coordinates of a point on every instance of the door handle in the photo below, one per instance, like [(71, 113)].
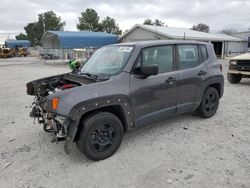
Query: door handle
[(201, 73), (170, 80)]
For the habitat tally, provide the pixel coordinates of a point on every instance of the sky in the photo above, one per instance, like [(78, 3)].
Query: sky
[(218, 14)]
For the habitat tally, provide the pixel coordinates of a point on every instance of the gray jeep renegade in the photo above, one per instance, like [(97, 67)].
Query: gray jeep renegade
[(124, 86)]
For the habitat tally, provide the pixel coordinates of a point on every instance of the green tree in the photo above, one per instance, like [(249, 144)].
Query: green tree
[(50, 21), (201, 27), (21, 36), (148, 22), (109, 25), (32, 33), (89, 21), (157, 22), (46, 21)]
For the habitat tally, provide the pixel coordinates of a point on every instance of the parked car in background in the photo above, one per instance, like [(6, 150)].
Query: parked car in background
[(125, 86), (22, 52), (239, 67), (48, 56), (6, 52)]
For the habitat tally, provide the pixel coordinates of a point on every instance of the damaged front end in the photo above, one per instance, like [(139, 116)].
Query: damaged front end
[(41, 112), (50, 122)]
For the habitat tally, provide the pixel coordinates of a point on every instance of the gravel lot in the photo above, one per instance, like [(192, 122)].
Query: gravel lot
[(185, 151)]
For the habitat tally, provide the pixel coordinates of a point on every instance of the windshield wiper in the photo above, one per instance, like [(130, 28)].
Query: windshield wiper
[(88, 75), (100, 77)]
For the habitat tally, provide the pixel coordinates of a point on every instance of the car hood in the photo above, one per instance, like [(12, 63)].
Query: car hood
[(245, 56), (116, 85)]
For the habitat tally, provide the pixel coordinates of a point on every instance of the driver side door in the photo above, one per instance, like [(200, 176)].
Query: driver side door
[(155, 97)]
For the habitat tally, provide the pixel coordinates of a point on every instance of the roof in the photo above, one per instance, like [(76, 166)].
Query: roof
[(180, 33), (228, 37), (245, 56), (158, 42), (240, 32), (14, 43), (76, 39)]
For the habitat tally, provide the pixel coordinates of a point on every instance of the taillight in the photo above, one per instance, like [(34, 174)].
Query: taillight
[(221, 67), (55, 102)]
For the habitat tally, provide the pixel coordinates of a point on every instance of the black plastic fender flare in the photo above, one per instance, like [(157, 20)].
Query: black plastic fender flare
[(78, 111)]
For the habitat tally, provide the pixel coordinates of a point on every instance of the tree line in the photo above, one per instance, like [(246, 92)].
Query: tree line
[(89, 20)]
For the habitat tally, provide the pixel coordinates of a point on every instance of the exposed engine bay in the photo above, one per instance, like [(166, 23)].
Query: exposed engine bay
[(41, 89)]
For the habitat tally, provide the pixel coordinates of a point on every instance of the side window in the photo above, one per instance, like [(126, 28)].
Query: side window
[(159, 55), (188, 56), (204, 55)]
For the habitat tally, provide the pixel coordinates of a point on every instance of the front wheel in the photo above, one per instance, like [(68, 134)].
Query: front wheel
[(209, 103), (100, 136), (234, 78)]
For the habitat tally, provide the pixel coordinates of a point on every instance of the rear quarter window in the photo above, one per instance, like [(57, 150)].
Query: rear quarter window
[(203, 52)]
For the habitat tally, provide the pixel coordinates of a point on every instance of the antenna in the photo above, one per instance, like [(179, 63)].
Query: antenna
[(155, 32)]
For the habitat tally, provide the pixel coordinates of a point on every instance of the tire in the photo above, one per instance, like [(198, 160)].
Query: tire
[(234, 78), (209, 103), (100, 136)]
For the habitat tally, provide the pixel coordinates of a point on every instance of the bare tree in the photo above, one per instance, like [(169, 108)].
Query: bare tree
[(201, 27)]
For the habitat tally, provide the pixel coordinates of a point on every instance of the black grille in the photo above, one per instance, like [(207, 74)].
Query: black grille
[(244, 63)]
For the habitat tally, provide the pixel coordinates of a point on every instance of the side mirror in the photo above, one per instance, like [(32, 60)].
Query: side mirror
[(146, 71)]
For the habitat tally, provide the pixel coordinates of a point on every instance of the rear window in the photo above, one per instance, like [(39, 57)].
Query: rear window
[(204, 55)]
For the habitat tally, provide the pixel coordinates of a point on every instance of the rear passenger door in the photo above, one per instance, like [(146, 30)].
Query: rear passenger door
[(191, 60)]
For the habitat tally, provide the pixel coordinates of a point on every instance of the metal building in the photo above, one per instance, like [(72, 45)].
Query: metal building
[(74, 39), (66, 44), (224, 45), (245, 35), (17, 43)]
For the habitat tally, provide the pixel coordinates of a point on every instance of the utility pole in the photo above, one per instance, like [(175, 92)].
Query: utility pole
[(43, 24)]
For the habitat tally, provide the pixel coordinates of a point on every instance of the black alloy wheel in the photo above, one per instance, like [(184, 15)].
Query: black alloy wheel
[(100, 136), (209, 103)]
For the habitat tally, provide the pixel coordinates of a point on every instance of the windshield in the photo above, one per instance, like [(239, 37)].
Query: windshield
[(109, 60)]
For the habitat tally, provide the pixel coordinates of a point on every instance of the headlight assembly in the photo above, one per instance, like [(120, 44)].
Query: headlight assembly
[(233, 62)]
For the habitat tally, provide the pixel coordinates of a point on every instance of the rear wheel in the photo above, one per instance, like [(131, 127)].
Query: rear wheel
[(100, 136), (209, 103), (234, 78)]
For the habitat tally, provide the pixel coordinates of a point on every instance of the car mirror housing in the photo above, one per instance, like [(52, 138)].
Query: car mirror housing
[(146, 71)]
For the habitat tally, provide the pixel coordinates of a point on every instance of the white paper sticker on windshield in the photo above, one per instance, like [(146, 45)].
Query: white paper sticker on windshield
[(124, 49)]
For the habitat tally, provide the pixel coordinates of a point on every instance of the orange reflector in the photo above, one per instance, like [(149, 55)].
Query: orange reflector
[(55, 102)]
